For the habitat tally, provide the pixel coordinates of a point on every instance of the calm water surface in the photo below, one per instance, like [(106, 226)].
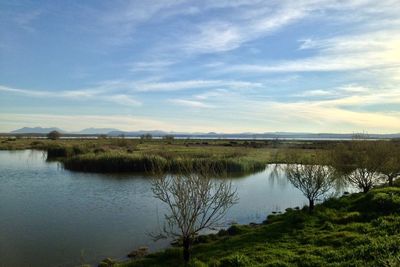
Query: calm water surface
[(53, 217)]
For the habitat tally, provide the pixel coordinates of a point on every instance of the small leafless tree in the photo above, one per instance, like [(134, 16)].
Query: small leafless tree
[(195, 203), (312, 180), (360, 162), (390, 157)]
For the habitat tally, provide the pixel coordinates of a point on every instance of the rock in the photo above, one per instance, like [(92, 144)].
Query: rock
[(139, 253), (107, 262)]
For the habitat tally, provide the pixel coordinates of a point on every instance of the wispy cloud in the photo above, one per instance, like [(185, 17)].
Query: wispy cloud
[(125, 100), (315, 93), (169, 86), (194, 84), (190, 103), (212, 94), (352, 52), (151, 65), (339, 92), (261, 18), (88, 94), (225, 35)]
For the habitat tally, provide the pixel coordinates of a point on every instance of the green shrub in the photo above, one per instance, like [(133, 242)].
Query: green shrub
[(295, 218), (197, 263), (277, 263), (236, 260), (308, 260), (387, 224), (235, 229), (328, 226)]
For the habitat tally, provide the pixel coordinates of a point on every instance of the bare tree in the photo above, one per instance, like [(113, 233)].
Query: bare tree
[(195, 203), (390, 157), (360, 162), (312, 180)]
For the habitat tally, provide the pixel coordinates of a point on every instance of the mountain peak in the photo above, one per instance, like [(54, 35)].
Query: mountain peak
[(41, 130)]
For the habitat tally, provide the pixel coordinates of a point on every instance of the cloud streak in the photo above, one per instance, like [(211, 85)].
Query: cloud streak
[(190, 103), (90, 94), (355, 52)]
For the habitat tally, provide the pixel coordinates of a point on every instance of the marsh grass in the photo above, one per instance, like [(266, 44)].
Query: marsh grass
[(236, 157), (143, 162)]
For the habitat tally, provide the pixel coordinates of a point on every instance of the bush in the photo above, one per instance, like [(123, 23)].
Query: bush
[(236, 260), (197, 263), (328, 226), (296, 218), (277, 263), (387, 224), (37, 143), (235, 229), (54, 135), (308, 260)]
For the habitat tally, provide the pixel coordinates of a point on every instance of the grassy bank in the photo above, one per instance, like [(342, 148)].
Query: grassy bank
[(354, 230), (133, 155), (139, 162)]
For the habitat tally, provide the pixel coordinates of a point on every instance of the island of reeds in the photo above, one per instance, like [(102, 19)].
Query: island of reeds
[(143, 155), (109, 155)]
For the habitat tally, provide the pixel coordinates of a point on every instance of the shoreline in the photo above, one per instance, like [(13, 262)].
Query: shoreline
[(349, 222)]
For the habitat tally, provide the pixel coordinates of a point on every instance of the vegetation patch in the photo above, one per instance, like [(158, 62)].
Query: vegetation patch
[(135, 162), (341, 232)]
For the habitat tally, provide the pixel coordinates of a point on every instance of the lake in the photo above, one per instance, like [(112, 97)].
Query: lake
[(54, 217)]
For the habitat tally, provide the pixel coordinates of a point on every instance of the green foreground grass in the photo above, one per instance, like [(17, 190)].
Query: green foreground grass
[(354, 230)]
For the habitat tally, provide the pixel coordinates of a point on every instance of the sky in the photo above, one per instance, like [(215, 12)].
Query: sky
[(200, 66)]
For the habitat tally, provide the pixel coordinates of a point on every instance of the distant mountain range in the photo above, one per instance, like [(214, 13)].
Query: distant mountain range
[(40, 130), (96, 131), (37, 130), (248, 135)]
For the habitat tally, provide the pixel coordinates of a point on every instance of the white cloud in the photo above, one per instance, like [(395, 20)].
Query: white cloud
[(91, 94), (193, 84), (125, 100), (224, 35), (190, 103), (26, 19), (315, 93), (354, 88), (339, 92), (24, 92), (261, 18), (151, 65), (212, 94), (352, 52)]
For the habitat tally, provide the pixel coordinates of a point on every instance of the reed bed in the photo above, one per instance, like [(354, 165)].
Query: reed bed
[(127, 162)]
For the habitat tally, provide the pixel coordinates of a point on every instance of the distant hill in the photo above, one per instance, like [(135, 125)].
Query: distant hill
[(212, 135), (155, 133), (96, 131), (37, 130)]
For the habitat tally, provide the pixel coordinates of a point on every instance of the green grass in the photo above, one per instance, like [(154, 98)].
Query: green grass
[(141, 162), (354, 230), (132, 155)]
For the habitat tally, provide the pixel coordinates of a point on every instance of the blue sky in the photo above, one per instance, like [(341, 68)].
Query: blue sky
[(224, 66)]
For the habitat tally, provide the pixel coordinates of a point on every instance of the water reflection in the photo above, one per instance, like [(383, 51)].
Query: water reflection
[(54, 217)]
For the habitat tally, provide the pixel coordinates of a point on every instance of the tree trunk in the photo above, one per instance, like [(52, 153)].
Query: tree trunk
[(366, 189), (390, 180), (310, 205), (186, 249)]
